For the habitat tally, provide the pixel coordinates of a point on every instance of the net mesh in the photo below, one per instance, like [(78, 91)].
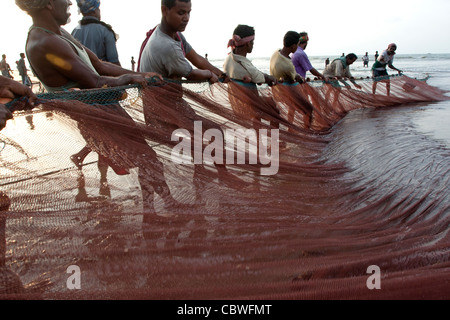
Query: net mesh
[(89, 179)]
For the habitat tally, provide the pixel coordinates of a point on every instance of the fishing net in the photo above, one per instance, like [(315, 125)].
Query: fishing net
[(136, 189)]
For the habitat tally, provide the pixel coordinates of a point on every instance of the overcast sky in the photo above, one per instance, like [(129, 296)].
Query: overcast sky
[(334, 27)]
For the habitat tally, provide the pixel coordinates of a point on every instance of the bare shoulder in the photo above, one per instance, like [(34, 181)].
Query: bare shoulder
[(41, 43)]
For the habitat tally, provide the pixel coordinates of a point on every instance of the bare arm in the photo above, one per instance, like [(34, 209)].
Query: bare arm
[(201, 63), (56, 63), (394, 68), (317, 73), (199, 75)]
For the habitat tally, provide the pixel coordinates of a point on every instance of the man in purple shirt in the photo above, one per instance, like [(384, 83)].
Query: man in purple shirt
[(301, 61)]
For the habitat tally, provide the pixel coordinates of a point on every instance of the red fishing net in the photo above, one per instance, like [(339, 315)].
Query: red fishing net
[(96, 203)]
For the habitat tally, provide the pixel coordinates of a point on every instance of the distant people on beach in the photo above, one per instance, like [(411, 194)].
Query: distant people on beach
[(167, 52), (95, 34), (327, 62), (281, 66), (5, 68), (376, 55), (379, 67), (133, 64), (23, 70), (300, 58), (365, 60)]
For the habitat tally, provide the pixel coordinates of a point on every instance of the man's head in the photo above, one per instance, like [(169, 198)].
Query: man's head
[(304, 38), (392, 48), (291, 40), (89, 7), (351, 58), (243, 38), (176, 14), (59, 9)]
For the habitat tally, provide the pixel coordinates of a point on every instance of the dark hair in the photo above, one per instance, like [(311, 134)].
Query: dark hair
[(291, 38), (352, 56), (171, 3), (244, 31)]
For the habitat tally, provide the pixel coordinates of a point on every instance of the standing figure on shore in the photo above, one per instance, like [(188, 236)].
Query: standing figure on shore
[(366, 60), (133, 64), (379, 68), (23, 71), (5, 68)]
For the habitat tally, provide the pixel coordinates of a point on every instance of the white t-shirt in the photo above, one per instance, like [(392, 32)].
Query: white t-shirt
[(166, 56), (237, 67)]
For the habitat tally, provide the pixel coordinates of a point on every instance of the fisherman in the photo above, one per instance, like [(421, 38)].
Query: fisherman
[(240, 68), (167, 51), (237, 65), (95, 34), (339, 69), (281, 66), (23, 71), (379, 67), (300, 58), (62, 63)]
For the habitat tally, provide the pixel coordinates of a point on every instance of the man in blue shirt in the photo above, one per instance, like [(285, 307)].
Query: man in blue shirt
[(96, 35)]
